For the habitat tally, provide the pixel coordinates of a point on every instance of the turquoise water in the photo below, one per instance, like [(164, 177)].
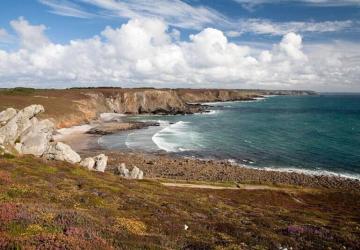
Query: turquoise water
[(309, 133)]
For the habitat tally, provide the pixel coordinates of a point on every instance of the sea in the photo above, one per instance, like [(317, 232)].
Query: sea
[(310, 134)]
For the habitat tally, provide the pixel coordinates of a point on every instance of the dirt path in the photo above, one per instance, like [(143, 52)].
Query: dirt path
[(205, 186)]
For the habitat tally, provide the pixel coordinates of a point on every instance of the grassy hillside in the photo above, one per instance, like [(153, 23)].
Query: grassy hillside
[(55, 204)]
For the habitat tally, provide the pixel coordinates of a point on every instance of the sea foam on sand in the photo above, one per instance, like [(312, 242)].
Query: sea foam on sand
[(107, 117), (65, 132)]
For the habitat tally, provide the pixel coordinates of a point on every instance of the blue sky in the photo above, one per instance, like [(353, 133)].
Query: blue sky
[(64, 25), (317, 28)]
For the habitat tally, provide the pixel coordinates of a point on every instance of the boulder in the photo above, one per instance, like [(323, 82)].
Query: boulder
[(36, 139), (136, 173), (140, 175), (100, 162), (15, 126), (62, 152), (6, 115), (123, 171), (88, 163)]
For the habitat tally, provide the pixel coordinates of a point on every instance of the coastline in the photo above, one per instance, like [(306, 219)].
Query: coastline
[(165, 165), (169, 166)]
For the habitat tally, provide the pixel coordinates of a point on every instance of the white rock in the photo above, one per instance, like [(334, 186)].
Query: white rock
[(88, 163), (100, 162), (140, 175), (18, 147), (134, 172), (123, 171), (36, 139), (62, 152), (11, 131), (6, 115)]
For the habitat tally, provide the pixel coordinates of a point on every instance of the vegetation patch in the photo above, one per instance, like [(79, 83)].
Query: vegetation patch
[(131, 225), (19, 91), (58, 205)]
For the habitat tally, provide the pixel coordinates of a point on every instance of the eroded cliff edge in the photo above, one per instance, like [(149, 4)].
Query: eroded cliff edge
[(77, 106)]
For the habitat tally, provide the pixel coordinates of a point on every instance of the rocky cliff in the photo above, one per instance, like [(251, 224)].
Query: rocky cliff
[(76, 106)]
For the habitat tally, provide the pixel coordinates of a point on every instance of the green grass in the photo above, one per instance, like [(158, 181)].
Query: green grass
[(19, 91), (43, 204)]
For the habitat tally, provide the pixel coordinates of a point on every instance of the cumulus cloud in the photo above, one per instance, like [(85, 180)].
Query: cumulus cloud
[(145, 52), (31, 36)]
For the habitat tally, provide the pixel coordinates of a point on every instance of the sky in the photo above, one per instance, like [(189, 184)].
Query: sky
[(270, 44)]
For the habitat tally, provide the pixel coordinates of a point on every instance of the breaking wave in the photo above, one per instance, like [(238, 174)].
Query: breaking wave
[(176, 137)]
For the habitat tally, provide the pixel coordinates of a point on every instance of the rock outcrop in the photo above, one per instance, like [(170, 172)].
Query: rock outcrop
[(15, 126), (62, 152), (23, 133), (36, 139), (88, 163), (123, 171), (100, 162), (6, 115), (97, 163), (135, 173)]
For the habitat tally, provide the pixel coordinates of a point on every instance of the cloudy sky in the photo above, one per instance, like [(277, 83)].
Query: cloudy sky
[(273, 44)]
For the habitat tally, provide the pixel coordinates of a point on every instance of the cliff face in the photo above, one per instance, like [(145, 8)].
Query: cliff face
[(146, 101), (76, 106)]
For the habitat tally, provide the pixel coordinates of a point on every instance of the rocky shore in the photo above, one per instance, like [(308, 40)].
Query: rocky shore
[(165, 166)]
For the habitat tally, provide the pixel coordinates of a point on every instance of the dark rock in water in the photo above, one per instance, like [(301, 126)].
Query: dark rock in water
[(114, 127)]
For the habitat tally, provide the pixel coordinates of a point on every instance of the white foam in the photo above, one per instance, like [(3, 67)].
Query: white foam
[(210, 112), (317, 172), (64, 132), (257, 99), (179, 129), (107, 117)]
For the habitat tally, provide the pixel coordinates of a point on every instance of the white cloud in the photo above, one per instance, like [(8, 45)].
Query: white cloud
[(66, 8), (3, 35), (6, 38), (180, 14), (144, 52), (320, 3), (175, 12), (267, 27), (31, 36)]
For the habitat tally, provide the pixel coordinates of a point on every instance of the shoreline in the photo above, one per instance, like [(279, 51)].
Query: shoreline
[(164, 165), (86, 142), (168, 166)]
